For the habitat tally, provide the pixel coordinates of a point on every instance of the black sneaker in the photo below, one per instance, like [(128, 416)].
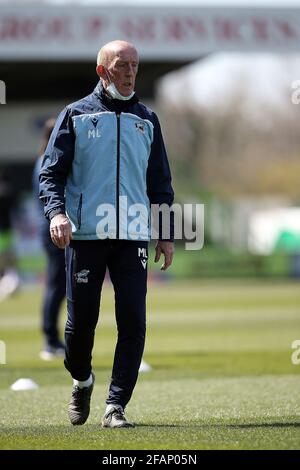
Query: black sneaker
[(79, 406)]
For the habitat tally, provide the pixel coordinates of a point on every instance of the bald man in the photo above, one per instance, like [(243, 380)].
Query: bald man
[(104, 166)]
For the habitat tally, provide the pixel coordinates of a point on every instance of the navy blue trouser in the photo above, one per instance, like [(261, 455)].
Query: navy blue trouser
[(86, 263), (55, 290)]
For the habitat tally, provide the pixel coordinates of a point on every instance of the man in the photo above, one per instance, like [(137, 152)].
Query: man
[(106, 150)]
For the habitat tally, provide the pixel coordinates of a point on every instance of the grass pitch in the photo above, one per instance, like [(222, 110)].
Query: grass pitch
[(222, 374)]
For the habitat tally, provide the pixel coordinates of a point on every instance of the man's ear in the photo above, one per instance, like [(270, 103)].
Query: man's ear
[(101, 71)]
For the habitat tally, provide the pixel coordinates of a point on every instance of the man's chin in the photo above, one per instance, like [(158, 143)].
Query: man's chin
[(126, 92)]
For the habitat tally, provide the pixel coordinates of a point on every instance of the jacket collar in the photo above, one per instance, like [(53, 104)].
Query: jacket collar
[(111, 103)]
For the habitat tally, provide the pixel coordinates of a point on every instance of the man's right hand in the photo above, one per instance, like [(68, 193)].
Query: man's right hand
[(60, 230)]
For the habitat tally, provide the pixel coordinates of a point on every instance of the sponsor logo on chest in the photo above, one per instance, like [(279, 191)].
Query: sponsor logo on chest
[(94, 133)]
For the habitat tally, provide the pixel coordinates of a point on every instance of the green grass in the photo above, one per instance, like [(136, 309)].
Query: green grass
[(222, 374)]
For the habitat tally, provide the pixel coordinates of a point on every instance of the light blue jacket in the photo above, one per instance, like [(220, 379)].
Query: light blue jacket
[(104, 165)]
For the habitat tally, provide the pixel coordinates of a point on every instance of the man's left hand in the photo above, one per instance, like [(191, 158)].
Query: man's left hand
[(167, 248)]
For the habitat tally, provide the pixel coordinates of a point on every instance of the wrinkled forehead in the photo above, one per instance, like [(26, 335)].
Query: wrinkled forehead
[(126, 55)]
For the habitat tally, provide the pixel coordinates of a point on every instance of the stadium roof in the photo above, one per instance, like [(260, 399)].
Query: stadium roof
[(173, 31), (138, 3)]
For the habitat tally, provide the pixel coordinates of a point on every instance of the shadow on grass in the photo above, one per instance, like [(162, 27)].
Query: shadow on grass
[(91, 428), (216, 425), (265, 425)]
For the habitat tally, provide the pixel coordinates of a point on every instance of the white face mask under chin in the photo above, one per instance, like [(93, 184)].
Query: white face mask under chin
[(112, 90)]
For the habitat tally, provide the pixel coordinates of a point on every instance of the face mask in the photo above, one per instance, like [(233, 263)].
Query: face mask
[(114, 93), (112, 90)]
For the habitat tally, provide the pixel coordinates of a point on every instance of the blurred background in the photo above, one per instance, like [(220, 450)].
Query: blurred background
[(221, 80), (223, 76)]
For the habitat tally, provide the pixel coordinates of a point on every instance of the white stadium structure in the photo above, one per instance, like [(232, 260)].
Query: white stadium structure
[(48, 51)]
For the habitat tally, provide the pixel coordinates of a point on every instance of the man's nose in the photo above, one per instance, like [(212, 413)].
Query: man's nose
[(130, 69)]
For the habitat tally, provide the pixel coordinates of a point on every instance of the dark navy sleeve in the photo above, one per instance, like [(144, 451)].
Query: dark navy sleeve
[(56, 165), (159, 187)]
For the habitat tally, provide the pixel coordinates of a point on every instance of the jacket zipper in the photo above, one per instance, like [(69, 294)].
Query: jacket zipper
[(79, 212), (118, 176)]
